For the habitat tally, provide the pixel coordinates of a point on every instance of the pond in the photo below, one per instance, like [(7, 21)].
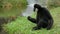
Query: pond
[(10, 11), (16, 11)]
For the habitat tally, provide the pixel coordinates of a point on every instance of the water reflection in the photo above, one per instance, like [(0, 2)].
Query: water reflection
[(12, 11)]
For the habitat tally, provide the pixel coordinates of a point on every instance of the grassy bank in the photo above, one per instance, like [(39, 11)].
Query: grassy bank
[(23, 26)]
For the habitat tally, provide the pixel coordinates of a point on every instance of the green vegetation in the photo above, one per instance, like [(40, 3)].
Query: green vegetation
[(12, 7), (18, 2), (23, 26), (53, 3)]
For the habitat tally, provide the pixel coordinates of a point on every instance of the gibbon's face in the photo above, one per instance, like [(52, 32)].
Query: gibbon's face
[(36, 6)]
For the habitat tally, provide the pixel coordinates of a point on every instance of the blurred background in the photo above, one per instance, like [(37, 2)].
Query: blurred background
[(13, 16)]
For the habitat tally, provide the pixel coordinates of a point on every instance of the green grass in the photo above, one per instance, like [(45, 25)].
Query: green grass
[(23, 26)]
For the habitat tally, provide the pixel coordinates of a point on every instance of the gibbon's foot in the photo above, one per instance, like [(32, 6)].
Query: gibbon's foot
[(36, 28)]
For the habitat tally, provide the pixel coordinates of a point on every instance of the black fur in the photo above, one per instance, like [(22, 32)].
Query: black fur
[(43, 18)]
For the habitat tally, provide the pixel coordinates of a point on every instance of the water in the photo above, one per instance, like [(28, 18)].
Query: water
[(30, 7), (16, 11)]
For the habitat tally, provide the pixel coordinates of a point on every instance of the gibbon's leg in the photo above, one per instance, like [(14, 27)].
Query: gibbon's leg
[(50, 23)]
